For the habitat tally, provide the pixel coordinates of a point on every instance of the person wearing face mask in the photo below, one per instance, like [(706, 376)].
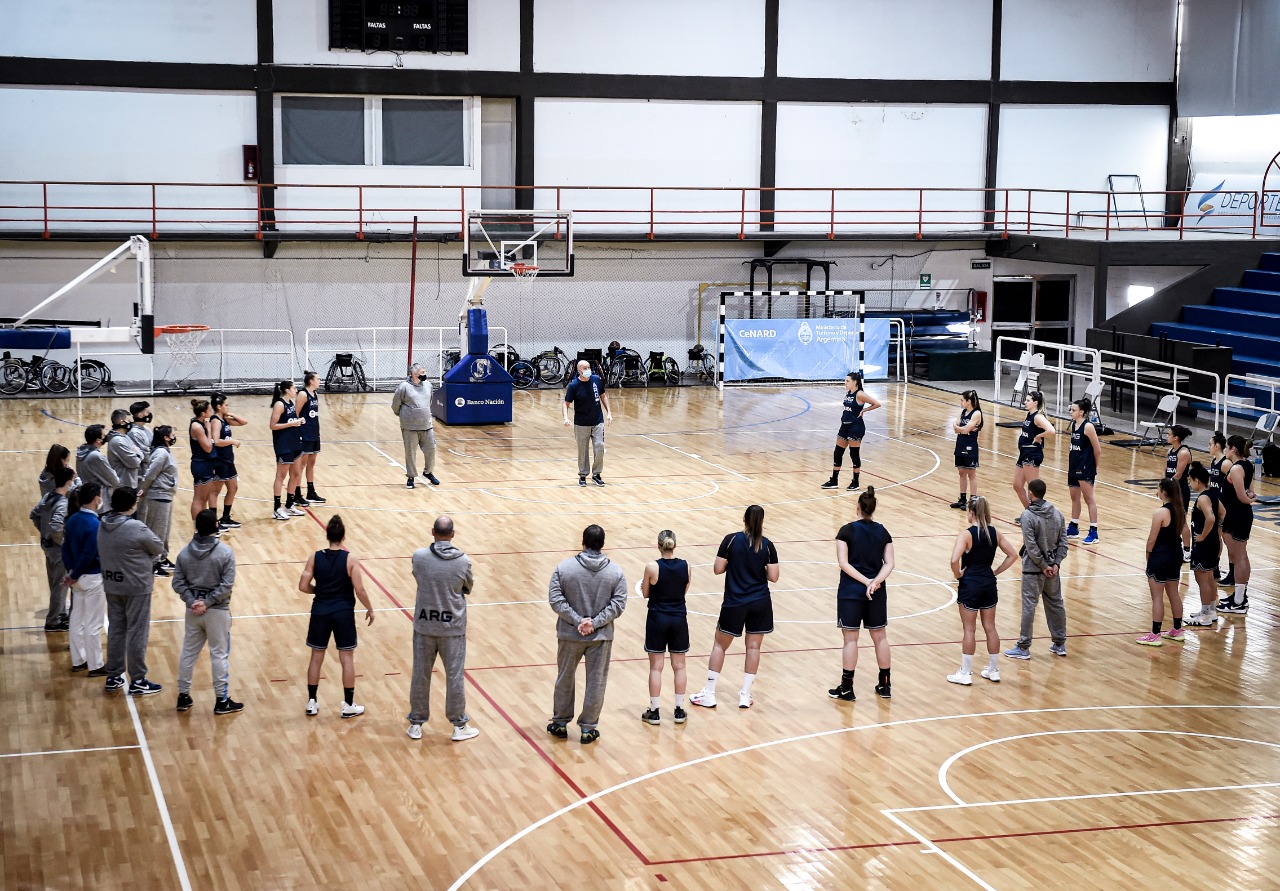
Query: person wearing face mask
[(138, 431), (159, 484), (412, 405), (123, 453), (590, 413)]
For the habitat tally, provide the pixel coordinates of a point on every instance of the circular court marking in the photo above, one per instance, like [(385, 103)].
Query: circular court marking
[(715, 488), (819, 734)]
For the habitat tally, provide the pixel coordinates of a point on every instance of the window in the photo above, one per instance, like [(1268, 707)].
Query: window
[(1138, 293), (374, 131)]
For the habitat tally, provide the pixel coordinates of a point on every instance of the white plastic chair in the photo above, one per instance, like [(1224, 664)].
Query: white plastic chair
[(1263, 431), (1093, 392), (1154, 430)]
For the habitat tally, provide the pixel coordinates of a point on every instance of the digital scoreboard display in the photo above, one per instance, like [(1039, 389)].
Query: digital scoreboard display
[(425, 26)]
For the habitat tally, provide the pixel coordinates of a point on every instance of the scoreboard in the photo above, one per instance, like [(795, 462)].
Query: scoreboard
[(422, 26)]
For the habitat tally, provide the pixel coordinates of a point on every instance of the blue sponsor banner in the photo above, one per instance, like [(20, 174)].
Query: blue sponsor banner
[(803, 349)]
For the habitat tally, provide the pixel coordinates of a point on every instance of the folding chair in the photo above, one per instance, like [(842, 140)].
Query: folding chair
[(1093, 392), (1161, 421), (1028, 376), (1263, 431)]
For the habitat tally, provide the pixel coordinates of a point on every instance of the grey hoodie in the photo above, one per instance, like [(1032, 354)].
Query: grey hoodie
[(50, 518), (161, 479), (206, 571), (1044, 537), (125, 458), (412, 405), (92, 467), (127, 549), (444, 581), (588, 586), (142, 438)]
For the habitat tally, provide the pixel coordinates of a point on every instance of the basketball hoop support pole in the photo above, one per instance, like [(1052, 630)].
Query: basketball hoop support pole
[(413, 288)]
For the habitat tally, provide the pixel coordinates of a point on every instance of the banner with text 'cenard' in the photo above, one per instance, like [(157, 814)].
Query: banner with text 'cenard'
[(803, 349)]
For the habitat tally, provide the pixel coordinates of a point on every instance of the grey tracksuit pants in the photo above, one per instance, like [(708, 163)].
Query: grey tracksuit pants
[(56, 572), (159, 518), (593, 436), (128, 631), (214, 628), (568, 654), (452, 651), (1036, 585), (419, 440)]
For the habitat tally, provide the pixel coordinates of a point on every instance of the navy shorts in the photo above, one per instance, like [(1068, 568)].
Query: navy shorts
[(1204, 558), (859, 612), (1239, 522), (977, 593), (288, 457), (1030, 459), (756, 617), (856, 430), (203, 472), (664, 632), (310, 448), (342, 627), (967, 460), (225, 470), (1074, 481), (1164, 567)]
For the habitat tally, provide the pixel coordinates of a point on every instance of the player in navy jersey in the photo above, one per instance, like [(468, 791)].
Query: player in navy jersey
[(864, 553), (1237, 500), (286, 438), (971, 558), (1166, 541), (1219, 465), (749, 563), (1207, 514), (857, 402), (204, 471), (1035, 428), (224, 447), (664, 584), (1082, 469), (1178, 460), (308, 408), (966, 430)]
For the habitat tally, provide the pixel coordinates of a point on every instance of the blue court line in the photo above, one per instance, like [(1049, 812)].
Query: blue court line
[(48, 414)]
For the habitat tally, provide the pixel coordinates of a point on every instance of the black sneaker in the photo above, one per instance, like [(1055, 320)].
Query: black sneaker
[(185, 701), (431, 478), (59, 625), (83, 666), (589, 736), (1228, 605), (844, 694), (853, 486), (680, 715), (884, 691), (559, 731), (300, 502), (582, 481), (227, 706), (1227, 581), (97, 673), (831, 483), (314, 498), (408, 483), (595, 478), (144, 687), (114, 683), (169, 564), (962, 504), (228, 523), (159, 571), (651, 716)]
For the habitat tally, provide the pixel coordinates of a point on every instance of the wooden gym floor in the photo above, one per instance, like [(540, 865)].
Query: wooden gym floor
[(1114, 763)]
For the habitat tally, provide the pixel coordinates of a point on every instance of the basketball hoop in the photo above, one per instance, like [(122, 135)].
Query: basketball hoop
[(524, 270), (183, 341)]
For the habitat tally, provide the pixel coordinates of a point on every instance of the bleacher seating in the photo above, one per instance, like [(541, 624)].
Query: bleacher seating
[(926, 331)]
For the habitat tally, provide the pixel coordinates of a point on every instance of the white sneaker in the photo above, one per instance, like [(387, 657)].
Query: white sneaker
[(281, 514), (414, 731), (991, 674), (313, 707), (297, 512), (465, 732), (352, 711), (1203, 619), (704, 699), (745, 700), (963, 678)]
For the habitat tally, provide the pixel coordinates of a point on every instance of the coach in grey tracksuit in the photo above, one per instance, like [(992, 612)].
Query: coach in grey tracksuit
[(50, 519), (92, 466), (123, 454), (159, 484), (444, 580), (203, 577), (138, 431), (1044, 541), (412, 405), (588, 592), (128, 551)]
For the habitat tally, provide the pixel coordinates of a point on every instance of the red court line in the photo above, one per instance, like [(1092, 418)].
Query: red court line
[(514, 726)]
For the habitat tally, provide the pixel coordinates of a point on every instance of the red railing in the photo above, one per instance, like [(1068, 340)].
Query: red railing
[(174, 210)]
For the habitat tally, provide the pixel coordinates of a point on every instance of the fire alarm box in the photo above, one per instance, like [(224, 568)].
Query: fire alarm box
[(980, 306), (251, 163)]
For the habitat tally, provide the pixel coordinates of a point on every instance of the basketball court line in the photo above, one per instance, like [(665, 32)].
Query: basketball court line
[(698, 458), (179, 864), (70, 751), (715, 490), (471, 871)]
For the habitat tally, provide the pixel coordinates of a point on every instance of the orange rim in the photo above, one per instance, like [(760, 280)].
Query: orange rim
[(524, 269), (179, 329)]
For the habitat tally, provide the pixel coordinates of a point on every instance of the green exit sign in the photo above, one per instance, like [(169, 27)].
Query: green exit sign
[(926, 280)]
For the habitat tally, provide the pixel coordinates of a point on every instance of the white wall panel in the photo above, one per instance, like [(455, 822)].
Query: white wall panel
[(709, 37), (1088, 40), (643, 144), (880, 147), (908, 39), (493, 39), (133, 31)]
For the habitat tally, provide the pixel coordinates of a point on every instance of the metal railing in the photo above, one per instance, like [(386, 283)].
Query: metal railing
[(356, 210), (1246, 403), (1065, 369), (367, 344)]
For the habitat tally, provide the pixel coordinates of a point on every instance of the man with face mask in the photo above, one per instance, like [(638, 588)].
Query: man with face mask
[(412, 405), (123, 454), (158, 486), (590, 412), (138, 431)]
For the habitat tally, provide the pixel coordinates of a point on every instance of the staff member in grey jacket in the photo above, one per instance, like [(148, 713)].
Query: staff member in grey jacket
[(1044, 547), (123, 454), (50, 518), (412, 405), (138, 432), (127, 549), (203, 577), (588, 592), (159, 485), (92, 465), (440, 629)]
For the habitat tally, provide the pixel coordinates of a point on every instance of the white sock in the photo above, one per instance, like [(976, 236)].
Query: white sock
[(679, 700), (712, 676), (993, 661), (966, 663), (1242, 588), (747, 680), (1075, 520), (655, 701)]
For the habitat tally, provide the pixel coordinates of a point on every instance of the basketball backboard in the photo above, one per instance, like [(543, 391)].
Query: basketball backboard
[(495, 241)]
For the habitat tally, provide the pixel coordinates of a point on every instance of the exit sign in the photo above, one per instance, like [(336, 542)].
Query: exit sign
[(926, 280), (979, 264)]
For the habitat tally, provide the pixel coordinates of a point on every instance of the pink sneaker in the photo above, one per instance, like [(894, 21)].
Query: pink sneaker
[(1151, 640), (1175, 635)]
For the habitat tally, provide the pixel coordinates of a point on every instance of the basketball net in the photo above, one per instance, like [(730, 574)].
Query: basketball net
[(525, 273), (183, 346)]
